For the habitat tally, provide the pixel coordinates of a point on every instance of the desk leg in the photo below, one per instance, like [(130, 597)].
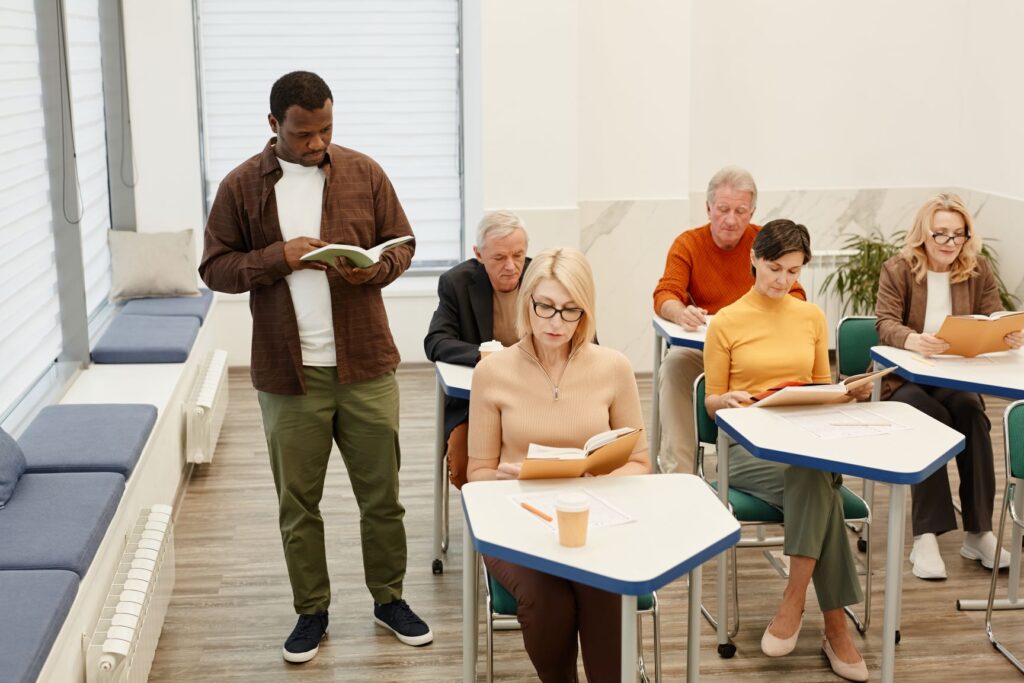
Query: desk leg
[(725, 648), (470, 608), (1012, 600), (893, 578), (440, 481), (655, 445), (629, 653), (693, 629)]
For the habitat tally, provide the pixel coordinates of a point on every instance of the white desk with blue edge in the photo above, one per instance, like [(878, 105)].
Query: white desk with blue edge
[(630, 559), (452, 380), (899, 458), (995, 374), (666, 335)]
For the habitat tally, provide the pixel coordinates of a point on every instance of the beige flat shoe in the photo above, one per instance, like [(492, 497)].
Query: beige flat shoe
[(773, 646), (851, 672)]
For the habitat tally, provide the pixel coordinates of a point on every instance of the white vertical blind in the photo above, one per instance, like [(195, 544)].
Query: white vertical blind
[(30, 335), (392, 66), (86, 77)]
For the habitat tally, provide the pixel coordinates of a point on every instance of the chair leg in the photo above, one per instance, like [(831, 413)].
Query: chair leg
[(656, 616), (640, 668), (444, 513), (989, 631), (490, 640), (862, 623)]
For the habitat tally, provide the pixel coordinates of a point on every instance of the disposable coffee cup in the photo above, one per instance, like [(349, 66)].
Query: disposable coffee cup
[(489, 347), (573, 510)]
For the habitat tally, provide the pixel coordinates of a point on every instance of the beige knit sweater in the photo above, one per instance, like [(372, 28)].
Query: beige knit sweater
[(514, 402)]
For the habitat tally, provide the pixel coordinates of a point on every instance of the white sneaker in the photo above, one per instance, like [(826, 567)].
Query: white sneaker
[(926, 559), (983, 547)]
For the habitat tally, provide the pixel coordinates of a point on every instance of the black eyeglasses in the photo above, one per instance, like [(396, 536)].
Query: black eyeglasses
[(546, 311), (957, 239)]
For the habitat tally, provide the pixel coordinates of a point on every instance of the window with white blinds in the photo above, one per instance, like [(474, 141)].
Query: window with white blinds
[(30, 333), (392, 66), (90, 133)]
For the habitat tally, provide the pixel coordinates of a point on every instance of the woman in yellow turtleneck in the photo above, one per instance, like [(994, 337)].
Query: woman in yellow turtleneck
[(762, 340)]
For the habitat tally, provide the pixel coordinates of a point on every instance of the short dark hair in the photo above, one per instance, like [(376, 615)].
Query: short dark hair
[(780, 237), (303, 88)]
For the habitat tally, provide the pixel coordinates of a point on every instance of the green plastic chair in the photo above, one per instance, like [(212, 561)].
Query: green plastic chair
[(753, 512), (1013, 439), (501, 616)]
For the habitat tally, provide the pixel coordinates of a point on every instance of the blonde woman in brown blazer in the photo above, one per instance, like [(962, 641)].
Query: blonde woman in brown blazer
[(941, 272)]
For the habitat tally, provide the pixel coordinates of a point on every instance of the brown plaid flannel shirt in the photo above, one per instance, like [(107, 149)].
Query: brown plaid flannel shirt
[(244, 252)]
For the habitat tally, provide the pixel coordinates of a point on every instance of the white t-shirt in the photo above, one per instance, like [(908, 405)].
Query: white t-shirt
[(300, 193), (940, 302)]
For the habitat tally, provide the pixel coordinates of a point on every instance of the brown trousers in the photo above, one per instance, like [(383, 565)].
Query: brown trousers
[(552, 611), (931, 500)]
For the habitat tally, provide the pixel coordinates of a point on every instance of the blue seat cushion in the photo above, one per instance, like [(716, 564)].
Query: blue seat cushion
[(57, 521), (147, 339), (88, 438), (195, 306), (12, 466), (33, 606)]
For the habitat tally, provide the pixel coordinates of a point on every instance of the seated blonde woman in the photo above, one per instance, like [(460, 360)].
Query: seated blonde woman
[(555, 387), (764, 339), (940, 271)]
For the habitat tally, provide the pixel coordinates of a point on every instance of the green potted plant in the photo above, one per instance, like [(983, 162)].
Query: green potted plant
[(855, 281)]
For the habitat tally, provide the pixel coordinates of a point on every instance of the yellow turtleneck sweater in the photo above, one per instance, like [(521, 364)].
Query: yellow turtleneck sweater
[(759, 342)]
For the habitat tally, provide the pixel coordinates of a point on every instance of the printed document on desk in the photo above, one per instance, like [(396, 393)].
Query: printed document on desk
[(602, 513), (842, 422)]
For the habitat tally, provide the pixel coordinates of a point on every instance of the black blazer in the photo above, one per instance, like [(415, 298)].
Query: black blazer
[(464, 319)]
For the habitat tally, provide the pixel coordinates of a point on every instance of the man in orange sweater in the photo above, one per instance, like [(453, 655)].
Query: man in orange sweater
[(707, 268)]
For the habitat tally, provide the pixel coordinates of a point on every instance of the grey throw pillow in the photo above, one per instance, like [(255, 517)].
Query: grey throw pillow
[(151, 264), (12, 466)]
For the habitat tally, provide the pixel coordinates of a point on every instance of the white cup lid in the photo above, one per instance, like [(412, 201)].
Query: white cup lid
[(572, 502), (493, 345)]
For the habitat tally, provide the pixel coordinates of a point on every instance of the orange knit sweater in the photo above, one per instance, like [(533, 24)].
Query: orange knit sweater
[(698, 271)]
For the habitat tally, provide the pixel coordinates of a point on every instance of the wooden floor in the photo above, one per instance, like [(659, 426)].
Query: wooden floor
[(231, 608)]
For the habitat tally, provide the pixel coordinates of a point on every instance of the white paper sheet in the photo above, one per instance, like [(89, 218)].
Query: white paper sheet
[(842, 422), (602, 513)]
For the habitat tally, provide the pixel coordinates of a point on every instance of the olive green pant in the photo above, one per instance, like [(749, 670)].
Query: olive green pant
[(362, 418), (812, 511)]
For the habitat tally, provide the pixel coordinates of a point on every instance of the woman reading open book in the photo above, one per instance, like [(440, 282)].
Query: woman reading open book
[(555, 387)]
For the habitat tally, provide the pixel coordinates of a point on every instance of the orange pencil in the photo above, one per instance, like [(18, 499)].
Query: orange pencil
[(542, 515)]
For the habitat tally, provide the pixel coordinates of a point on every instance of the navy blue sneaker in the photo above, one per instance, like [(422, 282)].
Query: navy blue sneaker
[(397, 617), (304, 642)]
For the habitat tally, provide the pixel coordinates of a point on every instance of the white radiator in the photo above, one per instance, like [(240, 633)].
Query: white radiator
[(206, 407), (811, 277), (122, 646)]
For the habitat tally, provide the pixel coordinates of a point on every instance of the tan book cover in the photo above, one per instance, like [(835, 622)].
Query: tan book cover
[(817, 394), (610, 453), (969, 335)]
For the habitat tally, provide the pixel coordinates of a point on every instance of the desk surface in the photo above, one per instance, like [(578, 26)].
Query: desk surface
[(629, 559), (903, 457), (455, 380), (996, 374), (675, 335)]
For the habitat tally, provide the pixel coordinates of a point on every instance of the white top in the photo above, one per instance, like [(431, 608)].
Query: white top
[(300, 193), (940, 302), (630, 559)]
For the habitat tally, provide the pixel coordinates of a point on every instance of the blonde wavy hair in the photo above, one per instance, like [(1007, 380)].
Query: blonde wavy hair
[(913, 251), (569, 268)]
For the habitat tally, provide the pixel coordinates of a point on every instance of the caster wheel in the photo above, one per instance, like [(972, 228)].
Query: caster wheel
[(437, 567), (862, 545), (898, 635), (726, 650)]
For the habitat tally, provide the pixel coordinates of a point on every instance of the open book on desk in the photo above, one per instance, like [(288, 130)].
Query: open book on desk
[(359, 257), (797, 394), (971, 335), (601, 454)]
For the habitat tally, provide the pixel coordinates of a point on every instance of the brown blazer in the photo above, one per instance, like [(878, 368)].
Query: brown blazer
[(902, 303)]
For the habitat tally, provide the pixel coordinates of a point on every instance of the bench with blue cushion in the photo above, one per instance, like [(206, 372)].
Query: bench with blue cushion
[(147, 339), (57, 521), (102, 437), (195, 306), (33, 606)]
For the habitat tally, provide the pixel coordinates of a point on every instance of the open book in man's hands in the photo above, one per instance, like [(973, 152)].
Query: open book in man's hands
[(359, 257), (601, 454), (796, 394), (972, 335)]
